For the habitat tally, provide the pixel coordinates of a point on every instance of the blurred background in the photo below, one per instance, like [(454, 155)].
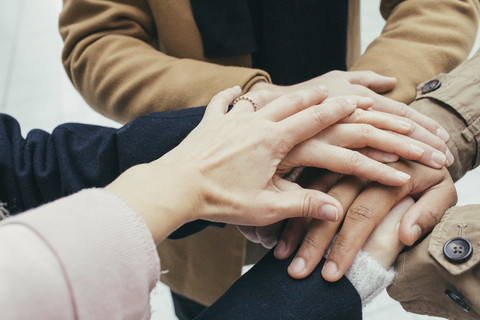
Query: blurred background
[(35, 90)]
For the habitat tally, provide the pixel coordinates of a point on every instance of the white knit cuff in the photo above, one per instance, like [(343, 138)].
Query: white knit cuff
[(368, 277)]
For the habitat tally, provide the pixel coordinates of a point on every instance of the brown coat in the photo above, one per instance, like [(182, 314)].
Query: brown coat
[(128, 58), (423, 273)]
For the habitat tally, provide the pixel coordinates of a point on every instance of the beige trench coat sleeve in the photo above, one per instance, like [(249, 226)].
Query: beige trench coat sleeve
[(112, 57), (423, 273), (421, 39)]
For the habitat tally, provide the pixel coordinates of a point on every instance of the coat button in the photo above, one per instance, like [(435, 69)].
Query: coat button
[(431, 86), (458, 299), (458, 250)]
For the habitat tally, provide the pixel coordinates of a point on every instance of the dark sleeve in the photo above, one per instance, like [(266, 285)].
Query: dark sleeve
[(267, 292), (44, 167)]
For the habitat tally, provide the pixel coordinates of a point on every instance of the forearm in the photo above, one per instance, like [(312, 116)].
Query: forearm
[(111, 55), (90, 254), (421, 39)]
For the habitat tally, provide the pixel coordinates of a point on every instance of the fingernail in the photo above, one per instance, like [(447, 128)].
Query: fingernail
[(297, 265), (281, 246), (330, 268), (352, 101), (324, 88), (438, 158), (329, 212), (416, 232), (402, 175), (404, 123), (368, 99), (417, 149), (237, 88), (450, 158), (442, 134), (391, 157)]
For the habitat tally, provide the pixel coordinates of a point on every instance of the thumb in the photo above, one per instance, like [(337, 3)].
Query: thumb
[(306, 203), (373, 81)]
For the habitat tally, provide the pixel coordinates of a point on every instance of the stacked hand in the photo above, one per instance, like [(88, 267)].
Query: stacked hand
[(367, 203), (230, 168)]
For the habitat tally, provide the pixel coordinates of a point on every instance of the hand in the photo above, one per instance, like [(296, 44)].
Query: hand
[(367, 205), (226, 168), (370, 84), (384, 244), (355, 131)]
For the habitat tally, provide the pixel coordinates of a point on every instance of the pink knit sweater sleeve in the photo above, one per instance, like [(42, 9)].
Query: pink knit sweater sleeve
[(86, 256)]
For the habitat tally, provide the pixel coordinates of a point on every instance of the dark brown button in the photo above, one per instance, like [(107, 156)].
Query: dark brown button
[(458, 250), (431, 86), (458, 299)]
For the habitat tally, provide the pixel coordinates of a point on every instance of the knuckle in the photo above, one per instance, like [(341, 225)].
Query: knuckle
[(366, 130), (318, 114), (356, 161), (295, 99), (311, 245), (340, 249), (360, 213), (308, 206), (432, 216)]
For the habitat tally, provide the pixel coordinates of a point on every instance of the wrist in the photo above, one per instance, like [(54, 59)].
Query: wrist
[(161, 205)]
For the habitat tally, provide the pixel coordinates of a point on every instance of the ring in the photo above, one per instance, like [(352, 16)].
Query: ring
[(255, 107)]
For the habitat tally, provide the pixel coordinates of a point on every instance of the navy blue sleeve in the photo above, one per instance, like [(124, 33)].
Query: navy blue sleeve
[(44, 167), (266, 291)]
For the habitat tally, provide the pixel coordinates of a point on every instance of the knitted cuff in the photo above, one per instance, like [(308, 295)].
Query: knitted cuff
[(368, 277)]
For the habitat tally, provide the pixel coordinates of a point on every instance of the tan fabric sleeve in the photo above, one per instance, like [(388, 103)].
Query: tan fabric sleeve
[(421, 39), (424, 274), (455, 105), (111, 57)]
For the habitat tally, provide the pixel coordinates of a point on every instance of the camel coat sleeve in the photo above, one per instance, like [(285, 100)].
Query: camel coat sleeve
[(421, 39), (128, 58)]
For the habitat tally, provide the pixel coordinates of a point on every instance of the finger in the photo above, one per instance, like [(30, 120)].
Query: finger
[(341, 160), (291, 237), (363, 103), (249, 233), (296, 228), (372, 80), (321, 233), (429, 156), (309, 122), (384, 244), (268, 235), (220, 102), (427, 212), (258, 98), (302, 203), (390, 106), (349, 135), (292, 103), (382, 120), (377, 155), (366, 212)]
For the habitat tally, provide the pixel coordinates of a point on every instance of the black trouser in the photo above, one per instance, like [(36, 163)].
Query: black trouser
[(186, 309)]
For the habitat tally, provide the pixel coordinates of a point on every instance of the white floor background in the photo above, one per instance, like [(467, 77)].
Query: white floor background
[(35, 89)]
